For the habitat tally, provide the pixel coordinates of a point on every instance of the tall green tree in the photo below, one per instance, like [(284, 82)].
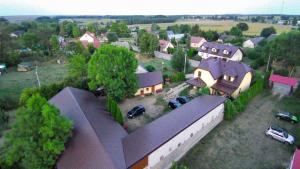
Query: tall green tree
[(195, 30), (37, 137), (242, 26), (75, 31), (121, 29), (268, 31), (112, 37), (155, 27), (30, 39), (163, 34), (178, 60), (114, 68), (91, 27), (236, 32), (54, 44), (147, 42), (77, 67)]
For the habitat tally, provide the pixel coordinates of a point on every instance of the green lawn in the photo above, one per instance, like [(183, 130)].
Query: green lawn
[(13, 82), (159, 64)]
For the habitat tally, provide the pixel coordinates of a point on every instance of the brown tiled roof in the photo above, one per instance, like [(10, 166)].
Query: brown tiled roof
[(96, 141), (196, 82), (148, 138), (223, 86), (220, 48), (218, 67), (149, 79)]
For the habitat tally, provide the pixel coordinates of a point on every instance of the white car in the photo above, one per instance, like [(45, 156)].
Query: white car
[(280, 134)]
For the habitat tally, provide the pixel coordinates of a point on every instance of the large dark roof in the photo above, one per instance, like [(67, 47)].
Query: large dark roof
[(220, 48), (148, 138), (96, 141), (256, 40), (218, 68), (149, 79)]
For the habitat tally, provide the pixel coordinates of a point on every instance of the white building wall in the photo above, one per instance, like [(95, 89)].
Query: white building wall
[(205, 76), (175, 148), (86, 37), (248, 44)]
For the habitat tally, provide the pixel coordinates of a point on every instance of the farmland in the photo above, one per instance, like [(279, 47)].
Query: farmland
[(224, 25)]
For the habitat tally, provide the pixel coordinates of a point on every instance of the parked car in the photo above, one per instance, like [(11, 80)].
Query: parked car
[(136, 111), (182, 99), (280, 134), (287, 117), (173, 104)]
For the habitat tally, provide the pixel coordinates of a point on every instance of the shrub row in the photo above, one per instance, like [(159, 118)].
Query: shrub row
[(115, 110), (232, 108), (178, 77)]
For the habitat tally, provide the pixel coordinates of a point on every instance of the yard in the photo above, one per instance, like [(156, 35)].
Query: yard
[(13, 82), (242, 142), (225, 25)]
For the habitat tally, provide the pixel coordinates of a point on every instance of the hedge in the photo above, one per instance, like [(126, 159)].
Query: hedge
[(178, 77), (232, 108), (115, 110)]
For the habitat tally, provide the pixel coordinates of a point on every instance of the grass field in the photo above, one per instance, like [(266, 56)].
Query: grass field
[(13, 82), (221, 26)]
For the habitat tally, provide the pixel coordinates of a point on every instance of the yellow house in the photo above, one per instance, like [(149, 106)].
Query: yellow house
[(149, 83), (227, 78)]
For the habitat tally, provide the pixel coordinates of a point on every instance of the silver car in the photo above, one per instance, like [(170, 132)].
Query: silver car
[(280, 134)]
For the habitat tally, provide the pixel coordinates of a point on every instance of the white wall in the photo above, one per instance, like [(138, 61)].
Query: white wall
[(205, 76), (175, 148), (248, 44), (86, 37)]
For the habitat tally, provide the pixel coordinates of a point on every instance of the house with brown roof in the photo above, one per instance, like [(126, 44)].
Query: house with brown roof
[(99, 142), (228, 78), (89, 38), (222, 51), (164, 45), (149, 83), (197, 41)]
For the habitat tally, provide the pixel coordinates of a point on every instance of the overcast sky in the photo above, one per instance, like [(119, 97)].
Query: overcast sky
[(147, 7)]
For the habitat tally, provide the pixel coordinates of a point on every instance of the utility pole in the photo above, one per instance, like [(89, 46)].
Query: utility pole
[(184, 62), (37, 76), (267, 69)]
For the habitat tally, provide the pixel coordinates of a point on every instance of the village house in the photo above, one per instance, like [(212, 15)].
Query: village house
[(89, 38), (228, 78), (171, 35), (17, 34), (100, 142), (164, 45), (149, 83), (282, 85), (225, 38), (222, 51), (252, 42), (196, 41)]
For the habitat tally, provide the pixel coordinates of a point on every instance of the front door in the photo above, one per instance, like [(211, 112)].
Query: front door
[(142, 92)]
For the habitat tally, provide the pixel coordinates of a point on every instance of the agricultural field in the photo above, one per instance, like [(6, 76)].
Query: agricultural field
[(221, 26), (13, 82)]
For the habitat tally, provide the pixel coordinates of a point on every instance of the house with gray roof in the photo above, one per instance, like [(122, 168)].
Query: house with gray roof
[(149, 83), (225, 38), (99, 142), (222, 51), (224, 77), (253, 42)]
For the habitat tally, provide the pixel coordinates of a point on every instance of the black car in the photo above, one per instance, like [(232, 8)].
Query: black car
[(136, 111), (287, 116), (173, 104), (182, 99)]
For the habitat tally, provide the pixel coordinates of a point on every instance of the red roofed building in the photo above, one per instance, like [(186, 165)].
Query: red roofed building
[(196, 42), (283, 85), (89, 38), (164, 45), (295, 164)]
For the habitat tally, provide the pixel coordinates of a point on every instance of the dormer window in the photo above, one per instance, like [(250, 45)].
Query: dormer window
[(231, 78), (225, 52), (225, 77), (203, 48), (228, 78), (214, 50)]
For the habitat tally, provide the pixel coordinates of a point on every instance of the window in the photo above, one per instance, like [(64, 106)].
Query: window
[(191, 135), (214, 50), (147, 89), (199, 74), (179, 144), (231, 79), (226, 77), (225, 52)]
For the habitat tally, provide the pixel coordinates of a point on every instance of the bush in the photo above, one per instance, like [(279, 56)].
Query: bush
[(115, 110), (178, 77), (8, 103), (252, 54), (150, 68), (230, 110), (258, 63), (204, 91), (192, 52), (3, 121)]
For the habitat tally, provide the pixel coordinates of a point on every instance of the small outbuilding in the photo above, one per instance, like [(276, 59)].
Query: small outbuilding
[(253, 42), (282, 85), (150, 82)]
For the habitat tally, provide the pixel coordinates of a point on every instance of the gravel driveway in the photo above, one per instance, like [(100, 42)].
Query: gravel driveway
[(242, 144)]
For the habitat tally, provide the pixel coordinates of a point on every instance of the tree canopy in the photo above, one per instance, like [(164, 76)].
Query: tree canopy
[(236, 31), (37, 137), (178, 60), (147, 42), (242, 26), (268, 31), (114, 68), (77, 67), (121, 29)]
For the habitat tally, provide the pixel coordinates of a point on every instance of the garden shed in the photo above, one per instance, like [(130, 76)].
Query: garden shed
[(282, 85)]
